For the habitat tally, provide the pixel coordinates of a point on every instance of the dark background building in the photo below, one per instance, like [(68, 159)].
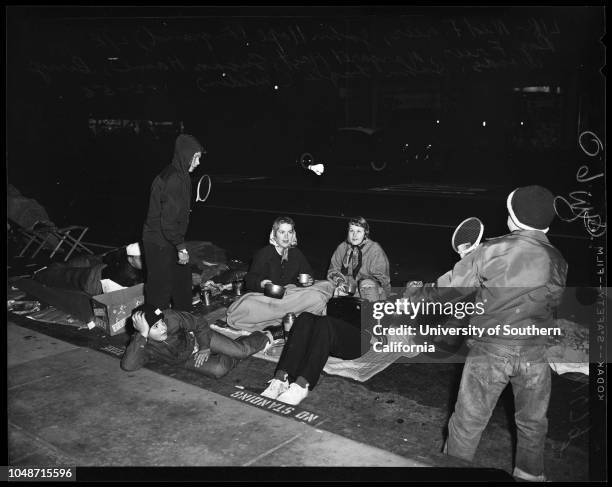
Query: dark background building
[(497, 95)]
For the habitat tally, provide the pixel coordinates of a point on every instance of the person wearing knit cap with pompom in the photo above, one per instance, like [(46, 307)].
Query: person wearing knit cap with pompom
[(519, 280)]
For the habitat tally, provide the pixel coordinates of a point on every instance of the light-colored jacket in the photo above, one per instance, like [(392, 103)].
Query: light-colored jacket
[(374, 264), (518, 278)]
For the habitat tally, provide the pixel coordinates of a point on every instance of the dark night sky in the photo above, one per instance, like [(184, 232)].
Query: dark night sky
[(216, 70)]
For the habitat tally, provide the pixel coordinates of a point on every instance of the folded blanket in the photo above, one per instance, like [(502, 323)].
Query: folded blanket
[(254, 311), (569, 352), (205, 251), (369, 364), (54, 315)]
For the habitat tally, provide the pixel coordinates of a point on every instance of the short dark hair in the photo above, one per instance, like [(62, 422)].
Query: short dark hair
[(280, 220), (360, 222)]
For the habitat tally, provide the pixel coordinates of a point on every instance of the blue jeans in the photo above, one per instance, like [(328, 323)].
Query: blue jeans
[(488, 369)]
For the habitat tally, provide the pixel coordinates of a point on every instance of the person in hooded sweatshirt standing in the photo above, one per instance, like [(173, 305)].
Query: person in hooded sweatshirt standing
[(163, 235)]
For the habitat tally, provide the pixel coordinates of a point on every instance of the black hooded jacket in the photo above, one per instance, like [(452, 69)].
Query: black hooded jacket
[(170, 201)]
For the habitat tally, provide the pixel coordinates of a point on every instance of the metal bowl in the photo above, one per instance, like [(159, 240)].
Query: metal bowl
[(274, 291)]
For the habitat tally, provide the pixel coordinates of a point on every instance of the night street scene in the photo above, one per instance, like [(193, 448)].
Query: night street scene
[(325, 243)]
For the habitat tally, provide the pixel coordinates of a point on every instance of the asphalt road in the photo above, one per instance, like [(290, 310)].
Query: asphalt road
[(413, 221)]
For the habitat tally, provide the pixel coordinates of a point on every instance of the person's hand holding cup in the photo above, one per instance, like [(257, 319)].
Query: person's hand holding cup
[(349, 288), (305, 280), (183, 257)]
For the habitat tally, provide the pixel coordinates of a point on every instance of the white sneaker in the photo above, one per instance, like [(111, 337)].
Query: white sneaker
[(521, 474), (294, 395), (275, 389)]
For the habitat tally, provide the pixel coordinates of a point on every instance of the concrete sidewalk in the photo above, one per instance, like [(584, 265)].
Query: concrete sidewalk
[(69, 405)]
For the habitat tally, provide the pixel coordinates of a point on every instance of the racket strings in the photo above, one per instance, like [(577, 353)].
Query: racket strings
[(468, 232), (207, 190)]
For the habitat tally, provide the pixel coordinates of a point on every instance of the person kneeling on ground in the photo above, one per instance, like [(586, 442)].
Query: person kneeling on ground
[(311, 341), (362, 261), (181, 338)]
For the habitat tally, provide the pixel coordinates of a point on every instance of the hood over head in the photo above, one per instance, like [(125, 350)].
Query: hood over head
[(184, 149)]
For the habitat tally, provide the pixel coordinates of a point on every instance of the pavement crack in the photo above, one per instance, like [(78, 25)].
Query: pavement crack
[(272, 450), (63, 456), (33, 381)]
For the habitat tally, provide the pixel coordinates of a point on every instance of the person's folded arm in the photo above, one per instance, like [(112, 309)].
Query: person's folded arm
[(135, 355), (461, 281), (334, 272), (379, 269)]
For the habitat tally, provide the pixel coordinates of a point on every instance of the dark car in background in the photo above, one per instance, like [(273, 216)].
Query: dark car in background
[(369, 149), (349, 148)]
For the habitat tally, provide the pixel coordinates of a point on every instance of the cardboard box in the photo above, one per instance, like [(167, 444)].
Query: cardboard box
[(112, 309)]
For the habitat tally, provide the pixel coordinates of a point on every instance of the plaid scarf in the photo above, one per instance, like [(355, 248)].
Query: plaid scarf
[(352, 260)]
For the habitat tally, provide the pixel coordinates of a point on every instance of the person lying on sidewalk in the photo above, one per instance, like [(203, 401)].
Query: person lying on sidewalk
[(311, 341), (361, 261), (181, 338), (85, 273), (280, 262)]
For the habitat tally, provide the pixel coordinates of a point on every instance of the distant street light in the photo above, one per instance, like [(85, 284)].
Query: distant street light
[(318, 169)]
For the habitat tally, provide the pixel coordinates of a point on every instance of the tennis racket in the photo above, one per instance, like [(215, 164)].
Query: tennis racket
[(467, 236), (205, 189), (306, 159)]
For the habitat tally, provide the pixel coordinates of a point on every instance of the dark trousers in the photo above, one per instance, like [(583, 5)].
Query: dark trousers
[(225, 353), (167, 280), (313, 339)]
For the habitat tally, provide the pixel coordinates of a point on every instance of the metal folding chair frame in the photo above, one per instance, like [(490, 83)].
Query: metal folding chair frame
[(61, 234)]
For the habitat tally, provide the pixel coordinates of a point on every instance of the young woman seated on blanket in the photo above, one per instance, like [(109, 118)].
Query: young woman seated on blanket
[(311, 341), (361, 261), (280, 262)]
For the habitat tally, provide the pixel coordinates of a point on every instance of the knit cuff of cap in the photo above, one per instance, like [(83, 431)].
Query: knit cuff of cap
[(522, 226)]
